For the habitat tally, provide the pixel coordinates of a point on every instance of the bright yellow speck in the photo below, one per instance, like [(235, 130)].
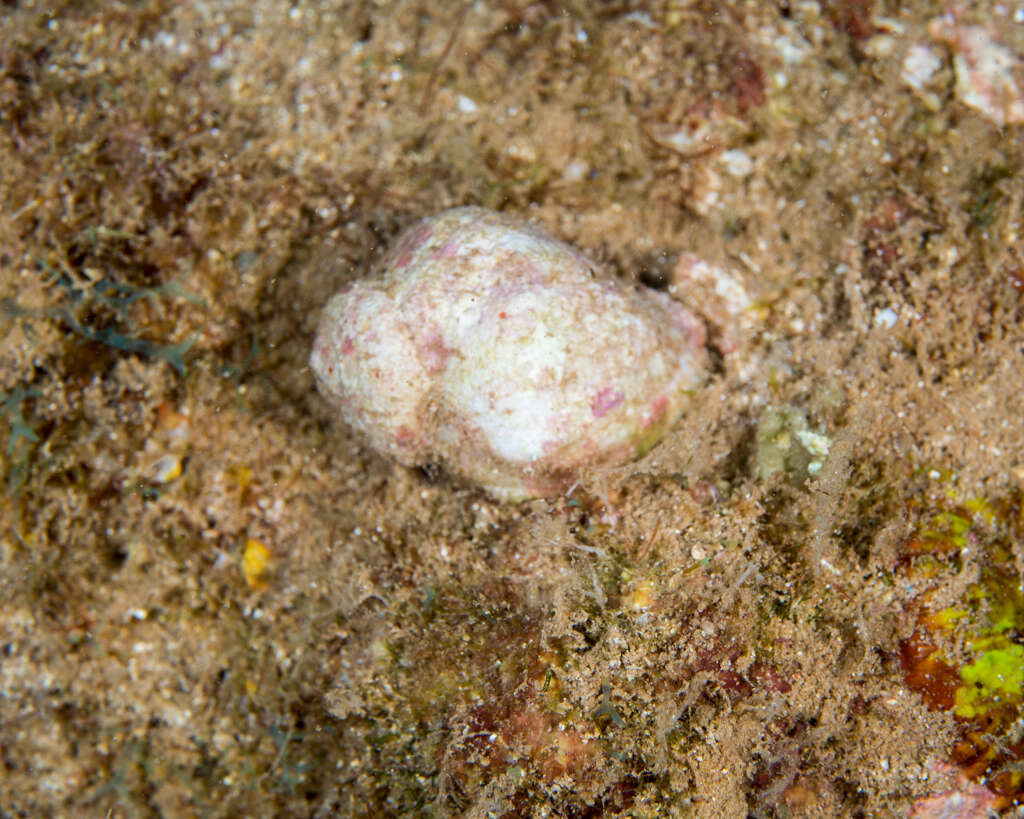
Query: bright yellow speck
[(641, 597), (167, 469), (255, 564), (980, 506), (242, 476), (946, 618)]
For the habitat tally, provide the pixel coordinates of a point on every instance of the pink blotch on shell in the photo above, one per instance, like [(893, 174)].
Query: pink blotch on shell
[(486, 345)]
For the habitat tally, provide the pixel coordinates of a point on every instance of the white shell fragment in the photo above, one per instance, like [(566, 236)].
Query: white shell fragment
[(488, 346), (985, 71)]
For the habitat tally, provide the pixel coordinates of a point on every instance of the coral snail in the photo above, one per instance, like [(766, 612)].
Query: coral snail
[(485, 345)]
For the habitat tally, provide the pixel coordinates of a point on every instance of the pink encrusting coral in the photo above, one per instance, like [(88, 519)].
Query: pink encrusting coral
[(488, 346)]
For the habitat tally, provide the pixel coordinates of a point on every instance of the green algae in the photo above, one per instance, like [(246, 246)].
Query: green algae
[(991, 681), (975, 638)]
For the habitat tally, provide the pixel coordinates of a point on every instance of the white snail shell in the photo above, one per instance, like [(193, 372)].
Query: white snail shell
[(505, 355)]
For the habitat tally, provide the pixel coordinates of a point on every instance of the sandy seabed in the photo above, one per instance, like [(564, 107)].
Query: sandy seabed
[(214, 601)]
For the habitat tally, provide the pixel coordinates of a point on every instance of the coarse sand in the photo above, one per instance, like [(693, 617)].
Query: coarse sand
[(806, 601)]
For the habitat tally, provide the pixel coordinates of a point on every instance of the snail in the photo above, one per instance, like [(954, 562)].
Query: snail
[(487, 346)]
